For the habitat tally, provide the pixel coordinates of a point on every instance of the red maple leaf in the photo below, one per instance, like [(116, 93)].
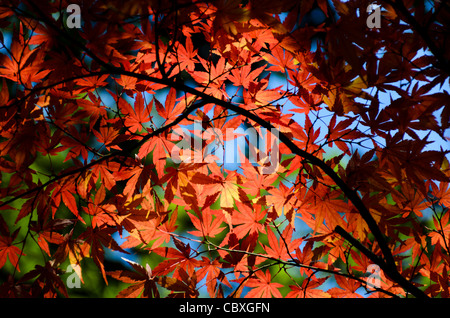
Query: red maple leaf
[(177, 259), (98, 238), (7, 249), (262, 286), (280, 247), (348, 288), (135, 117), (209, 225), (141, 279), (248, 220)]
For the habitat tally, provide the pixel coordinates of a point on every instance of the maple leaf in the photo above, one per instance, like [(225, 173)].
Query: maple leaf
[(339, 131), (282, 200), (105, 172), (73, 248), (176, 259), (280, 247), (417, 163), (410, 201), (305, 256), (227, 12), (242, 76), (147, 225), (76, 143), (211, 269), (325, 207), (349, 287), (7, 249), (96, 239), (227, 187), (92, 81), (107, 135), (229, 191), (23, 64), (142, 280), (309, 289), (255, 182), (442, 232), (47, 233), (185, 287), (66, 195), (213, 78), (258, 94), (47, 282), (137, 116), (158, 145), (280, 59), (164, 230), (4, 93), (207, 226), (171, 109), (239, 260), (443, 192), (262, 286), (137, 176), (139, 232), (186, 55), (248, 219), (102, 213), (127, 82)]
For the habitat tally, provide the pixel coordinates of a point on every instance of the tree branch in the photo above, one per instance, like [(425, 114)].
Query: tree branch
[(392, 273)]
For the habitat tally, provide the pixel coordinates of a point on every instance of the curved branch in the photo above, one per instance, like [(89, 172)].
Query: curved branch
[(391, 272)]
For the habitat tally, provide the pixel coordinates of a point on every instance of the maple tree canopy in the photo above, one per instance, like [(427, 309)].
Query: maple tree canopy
[(224, 148)]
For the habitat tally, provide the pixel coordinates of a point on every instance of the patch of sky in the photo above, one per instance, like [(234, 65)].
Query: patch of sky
[(116, 256), (6, 42)]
